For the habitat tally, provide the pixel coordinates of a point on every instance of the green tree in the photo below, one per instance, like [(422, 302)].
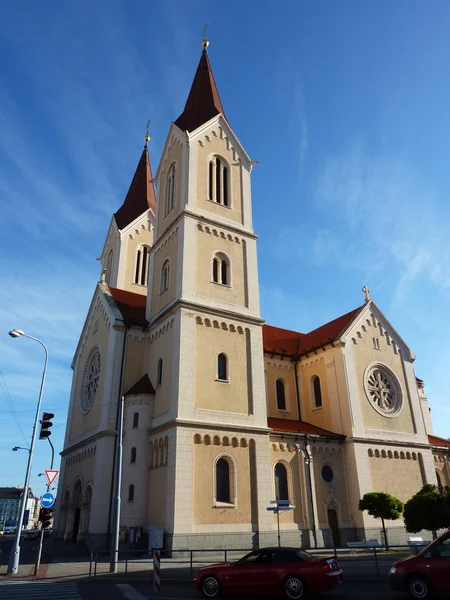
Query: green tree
[(381, 506), (429, 509)]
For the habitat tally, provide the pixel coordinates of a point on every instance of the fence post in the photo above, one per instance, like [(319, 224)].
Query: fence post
[(156, 572), (226, 554), (90, 564), (191, 568), (126, 564), (95, 564), (376, 562)]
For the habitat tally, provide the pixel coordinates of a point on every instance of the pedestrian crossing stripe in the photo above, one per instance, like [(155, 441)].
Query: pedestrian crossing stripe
[(35, 590)]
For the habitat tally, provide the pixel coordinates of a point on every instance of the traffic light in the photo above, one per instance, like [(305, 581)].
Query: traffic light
[(45, 425), (45, 516)]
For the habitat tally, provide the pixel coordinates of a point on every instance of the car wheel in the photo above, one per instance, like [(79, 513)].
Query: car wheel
[(210, 586), (294, 588), (419, 587)]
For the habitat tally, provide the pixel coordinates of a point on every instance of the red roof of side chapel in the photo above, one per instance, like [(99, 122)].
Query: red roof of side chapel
[(131, 305), (438, 441), (285, 341)]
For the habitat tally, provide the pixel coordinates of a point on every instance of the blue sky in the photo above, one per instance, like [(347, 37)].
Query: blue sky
[(344, 105)]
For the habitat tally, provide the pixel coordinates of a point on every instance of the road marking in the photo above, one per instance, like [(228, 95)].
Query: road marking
[(129, 592), (32, 590)]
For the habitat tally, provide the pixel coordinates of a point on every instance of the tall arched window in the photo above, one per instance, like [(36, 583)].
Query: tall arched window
[(281, 482), (218, 181), (170, 190), (133, 455), (109, 263), (439, 481), (135, 420), (281, 397), (221, 269), (223, 481), (222, 367), (159, 372), (165, 276), (141, 271), (317, 392), (131, 493)]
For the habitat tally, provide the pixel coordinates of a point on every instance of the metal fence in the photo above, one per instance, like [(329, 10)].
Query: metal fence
[(356, 562)]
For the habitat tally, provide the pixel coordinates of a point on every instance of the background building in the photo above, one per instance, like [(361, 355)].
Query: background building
[(9, 506), (224, 413)]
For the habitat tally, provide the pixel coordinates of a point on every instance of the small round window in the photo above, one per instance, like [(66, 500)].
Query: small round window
[(327, 473)]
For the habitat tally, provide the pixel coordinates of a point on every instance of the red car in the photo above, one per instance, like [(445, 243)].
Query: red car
[(269, 571), (426, 573)]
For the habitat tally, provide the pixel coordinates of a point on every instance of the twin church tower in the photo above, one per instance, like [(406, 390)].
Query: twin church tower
[(219, 421)]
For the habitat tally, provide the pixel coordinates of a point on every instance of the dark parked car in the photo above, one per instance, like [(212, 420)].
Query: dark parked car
[(31, 534), (426, 573), (269, 571)]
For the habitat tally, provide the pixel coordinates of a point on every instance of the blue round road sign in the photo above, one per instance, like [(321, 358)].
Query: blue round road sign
[(47, 500)]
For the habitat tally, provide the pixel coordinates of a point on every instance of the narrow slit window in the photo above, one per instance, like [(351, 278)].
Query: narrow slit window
[(131, 493), (165, 276), (225, 186), (133, 455), (281, 482), (218, 178), (223, 481), (224, 272), (170, 190), (138, 267), (211, 182), (159, 374), (216, 264), (317, 392), (281, 396), (144, 266), (135, 420), (222, 369), (221, 269)]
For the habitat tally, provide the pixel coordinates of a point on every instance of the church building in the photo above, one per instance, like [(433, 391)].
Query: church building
[(224, 414)]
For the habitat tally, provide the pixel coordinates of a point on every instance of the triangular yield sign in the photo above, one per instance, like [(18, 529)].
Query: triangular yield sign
[(51, 475)]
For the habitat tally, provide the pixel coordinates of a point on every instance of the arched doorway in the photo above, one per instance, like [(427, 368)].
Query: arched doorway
[(76, 503), (334, 526)]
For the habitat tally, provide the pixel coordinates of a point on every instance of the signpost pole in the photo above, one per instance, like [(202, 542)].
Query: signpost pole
[(278, 522), (156, 573), (41, 537)]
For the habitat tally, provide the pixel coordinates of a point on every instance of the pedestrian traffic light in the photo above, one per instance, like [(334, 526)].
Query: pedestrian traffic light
[(45, 425), (45, 516)]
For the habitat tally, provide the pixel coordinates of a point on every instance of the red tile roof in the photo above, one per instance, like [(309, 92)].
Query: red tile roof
[(140, 196), (437, 441), (143, 386), (300, 427), (131, 305), (285, 341), (203, 102)]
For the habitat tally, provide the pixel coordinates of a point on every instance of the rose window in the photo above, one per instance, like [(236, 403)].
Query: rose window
[(383, 390), (90, 380)]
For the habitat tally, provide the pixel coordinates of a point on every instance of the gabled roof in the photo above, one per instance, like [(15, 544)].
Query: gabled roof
[(433, 440), (203, 102), (140, 196), (131, 305), (285, 341), (141, 387), (300, 427)]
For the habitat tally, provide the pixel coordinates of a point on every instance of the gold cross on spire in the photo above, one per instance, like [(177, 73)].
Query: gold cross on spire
[(147, 137), (205, 42)]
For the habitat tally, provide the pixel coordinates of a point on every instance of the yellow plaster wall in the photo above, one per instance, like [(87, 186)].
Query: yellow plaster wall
[(400, 478), (174, 155), (281, 370), (169, 250), (134, 362), (157, 496), (217, 144), (290, 460), (209, 242), (317, 416), (204, 457), (365, 354), (335, 460), (162, 347), (233, 396), (80, 423)]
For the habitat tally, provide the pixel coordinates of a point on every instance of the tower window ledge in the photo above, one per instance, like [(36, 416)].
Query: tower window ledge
[(219, 204), (317, 407), (224, 505), (227, 285), (222, 380)]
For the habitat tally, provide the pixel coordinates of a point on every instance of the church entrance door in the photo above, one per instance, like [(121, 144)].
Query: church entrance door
[(76, 524), (333, 521)]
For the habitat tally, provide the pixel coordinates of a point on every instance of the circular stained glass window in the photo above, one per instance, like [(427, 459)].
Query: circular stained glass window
[(90, 380), (327, 473), (383, 390)]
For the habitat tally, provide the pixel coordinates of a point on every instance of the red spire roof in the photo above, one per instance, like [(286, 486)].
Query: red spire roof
[(285, 341), (203, 102), (141, 195)]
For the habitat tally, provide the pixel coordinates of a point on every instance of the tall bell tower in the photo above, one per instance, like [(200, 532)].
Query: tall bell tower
[(203, 303)]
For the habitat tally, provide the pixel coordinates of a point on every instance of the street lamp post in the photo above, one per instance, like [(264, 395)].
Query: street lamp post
[(13, 565)]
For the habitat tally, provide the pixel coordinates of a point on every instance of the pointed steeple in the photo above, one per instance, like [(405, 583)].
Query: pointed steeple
[(203, 102), (140, 196)]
